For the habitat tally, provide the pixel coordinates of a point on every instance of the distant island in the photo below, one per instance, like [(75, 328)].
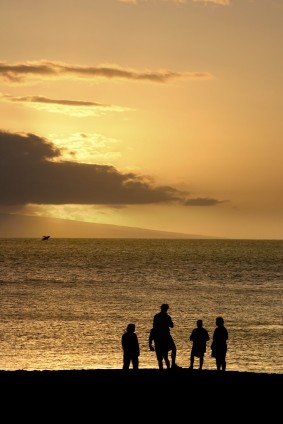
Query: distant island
[(24, 226)]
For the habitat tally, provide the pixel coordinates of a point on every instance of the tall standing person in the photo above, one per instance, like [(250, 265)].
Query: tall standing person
[(161, 349), (219, 344), (162, 323)]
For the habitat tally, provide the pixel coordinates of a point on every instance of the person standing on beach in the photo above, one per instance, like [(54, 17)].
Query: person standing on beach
[(131, 349), (160, 349), (162, 323), (219, 344), (199, 336)]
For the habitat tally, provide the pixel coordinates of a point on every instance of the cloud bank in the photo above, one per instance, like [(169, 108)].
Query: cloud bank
[(31, 172)]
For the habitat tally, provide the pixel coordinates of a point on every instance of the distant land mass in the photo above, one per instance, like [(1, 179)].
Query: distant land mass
[(24, 226)]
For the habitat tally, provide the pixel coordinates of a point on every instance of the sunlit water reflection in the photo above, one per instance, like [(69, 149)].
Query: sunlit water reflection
[(66, 302)]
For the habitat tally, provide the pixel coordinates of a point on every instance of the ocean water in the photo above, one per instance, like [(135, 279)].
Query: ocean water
[(65, 303)]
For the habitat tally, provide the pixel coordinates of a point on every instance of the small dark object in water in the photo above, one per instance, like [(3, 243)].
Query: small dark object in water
[(45, 237)]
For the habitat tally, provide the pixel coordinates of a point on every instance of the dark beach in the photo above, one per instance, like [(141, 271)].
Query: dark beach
[(146, 391)]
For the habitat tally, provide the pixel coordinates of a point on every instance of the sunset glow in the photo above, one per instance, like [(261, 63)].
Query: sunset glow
[(157, 114)]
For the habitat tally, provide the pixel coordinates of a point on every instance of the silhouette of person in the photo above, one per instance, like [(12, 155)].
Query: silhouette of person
[(199, 336), (160, 348), (131, 349), (219, 344), (162, 323)]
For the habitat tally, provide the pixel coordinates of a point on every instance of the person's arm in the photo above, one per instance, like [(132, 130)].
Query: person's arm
[(138, 346), (155, 319), (170, 322)]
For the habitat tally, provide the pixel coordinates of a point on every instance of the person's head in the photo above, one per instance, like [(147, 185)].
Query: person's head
[(131, 328), (219, 321), (164, 307), (199, 323)]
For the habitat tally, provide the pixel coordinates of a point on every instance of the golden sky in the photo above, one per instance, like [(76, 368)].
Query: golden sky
[(157, 114)]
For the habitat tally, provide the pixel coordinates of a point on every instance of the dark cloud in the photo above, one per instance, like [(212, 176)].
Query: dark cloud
[(30, 174), (21, 72), (203, 201)]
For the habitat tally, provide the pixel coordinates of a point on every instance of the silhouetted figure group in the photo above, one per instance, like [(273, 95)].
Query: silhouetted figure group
[(200, 336), (161, 341)]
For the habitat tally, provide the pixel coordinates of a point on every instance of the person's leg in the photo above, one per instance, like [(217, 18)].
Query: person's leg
[(200, 362), (126, 362), (166, 360), (192, 360), (159, 359), (218, 364), (173, 355), (135, 362)]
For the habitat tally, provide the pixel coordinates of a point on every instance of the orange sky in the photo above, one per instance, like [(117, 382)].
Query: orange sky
[(155, 114)]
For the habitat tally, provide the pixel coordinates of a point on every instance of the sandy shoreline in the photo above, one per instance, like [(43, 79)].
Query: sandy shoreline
[(152, 379), (165, 392)]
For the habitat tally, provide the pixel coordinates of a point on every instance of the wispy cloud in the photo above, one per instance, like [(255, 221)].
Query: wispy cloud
[(202, 201), (30, 71), (68, 107), (39, 177), (220, 2)]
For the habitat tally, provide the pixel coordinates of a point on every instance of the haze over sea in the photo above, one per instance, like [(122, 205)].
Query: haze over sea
[(66, 302)]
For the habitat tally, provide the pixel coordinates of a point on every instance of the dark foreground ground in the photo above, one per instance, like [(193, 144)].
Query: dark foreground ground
[(147, 394)]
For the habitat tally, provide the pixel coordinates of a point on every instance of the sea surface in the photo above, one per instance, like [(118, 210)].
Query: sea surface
[(65, 303)]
